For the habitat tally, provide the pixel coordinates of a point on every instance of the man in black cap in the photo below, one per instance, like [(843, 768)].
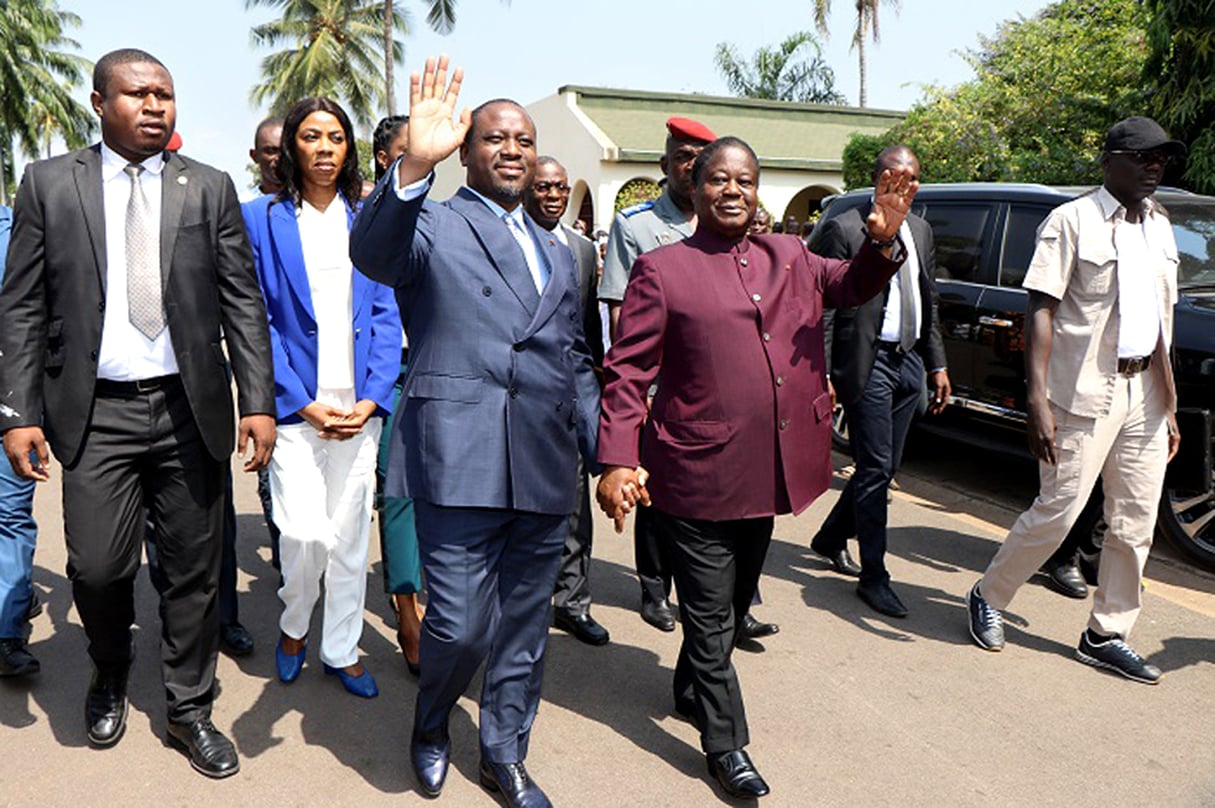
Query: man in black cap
[(1098, 325), (635, 230)]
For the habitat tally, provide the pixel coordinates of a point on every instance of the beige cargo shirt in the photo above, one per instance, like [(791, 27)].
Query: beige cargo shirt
[(1076, 263)]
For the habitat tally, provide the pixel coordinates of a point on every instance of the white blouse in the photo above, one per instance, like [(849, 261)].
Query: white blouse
[(325, 238)]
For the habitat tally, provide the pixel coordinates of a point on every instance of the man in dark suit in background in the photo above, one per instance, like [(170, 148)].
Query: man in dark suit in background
[(546, 201), (877, 354), (125, 263), (500, 397)]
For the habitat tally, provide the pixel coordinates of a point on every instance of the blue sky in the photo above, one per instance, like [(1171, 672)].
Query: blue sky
[(526, 49)]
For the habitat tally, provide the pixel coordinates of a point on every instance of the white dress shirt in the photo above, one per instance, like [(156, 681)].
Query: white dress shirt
[(1138, 303), (892, 317), (126, 354), (325, 240)]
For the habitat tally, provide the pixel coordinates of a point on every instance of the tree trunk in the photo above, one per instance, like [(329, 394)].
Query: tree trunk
[(4, 172), (390, 101), (860, 54)]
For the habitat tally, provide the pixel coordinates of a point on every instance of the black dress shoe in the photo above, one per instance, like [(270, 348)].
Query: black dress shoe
[(583, 627), (881, 598), (430, 755), (659, 615), (105, 707), (235, 640), (1065, 578), (210, 751), (510, 782), (16, 660), (841, 561), (752, 629), (737, 775)]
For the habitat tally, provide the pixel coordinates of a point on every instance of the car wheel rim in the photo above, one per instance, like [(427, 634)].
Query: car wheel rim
[(1195, 515)]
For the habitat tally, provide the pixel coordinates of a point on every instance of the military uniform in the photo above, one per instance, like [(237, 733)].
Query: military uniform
[(636, 230)]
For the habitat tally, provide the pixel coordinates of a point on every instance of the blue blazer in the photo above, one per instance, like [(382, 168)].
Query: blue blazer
[(500, 393), (275, 237)]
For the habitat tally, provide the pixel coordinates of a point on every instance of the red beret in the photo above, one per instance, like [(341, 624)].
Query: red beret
[(688, 129), (174, 143)]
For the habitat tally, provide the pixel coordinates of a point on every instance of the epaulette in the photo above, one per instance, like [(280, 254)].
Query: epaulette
[(638, 208)]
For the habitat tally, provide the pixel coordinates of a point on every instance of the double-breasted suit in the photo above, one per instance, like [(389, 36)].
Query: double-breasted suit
[(499, 396), (125, 444)]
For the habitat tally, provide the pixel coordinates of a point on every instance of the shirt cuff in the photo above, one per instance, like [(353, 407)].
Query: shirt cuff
[(413, 190)]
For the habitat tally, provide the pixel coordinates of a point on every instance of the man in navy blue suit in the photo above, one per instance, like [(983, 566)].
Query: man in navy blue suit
[(499, 399)]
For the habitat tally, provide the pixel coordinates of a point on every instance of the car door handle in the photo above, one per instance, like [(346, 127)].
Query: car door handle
[(996, 322)]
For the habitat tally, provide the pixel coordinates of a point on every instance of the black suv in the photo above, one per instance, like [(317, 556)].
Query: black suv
[(985, 235)]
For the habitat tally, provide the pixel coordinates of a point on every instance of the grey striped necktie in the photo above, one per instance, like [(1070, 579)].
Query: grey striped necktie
[(146, 307)]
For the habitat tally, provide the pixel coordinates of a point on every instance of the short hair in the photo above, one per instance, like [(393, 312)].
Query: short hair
[(266, 123), (706, 154), (480, 110), (879, 162), (123, 56), (386, 131), (349, 180), (548, 160)]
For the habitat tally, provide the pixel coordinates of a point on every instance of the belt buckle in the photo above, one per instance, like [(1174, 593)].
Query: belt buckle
[(147, 385), (1134, 366)]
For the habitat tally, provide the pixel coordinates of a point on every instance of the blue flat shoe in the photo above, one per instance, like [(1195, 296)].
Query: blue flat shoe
[(363, 685), (289, 665)]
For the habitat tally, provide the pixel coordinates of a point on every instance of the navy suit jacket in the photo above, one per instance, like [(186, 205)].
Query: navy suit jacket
[(500, 393), (275, 237)]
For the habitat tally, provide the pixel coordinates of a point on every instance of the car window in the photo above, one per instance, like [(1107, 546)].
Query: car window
[(958, 232), (1020, 237), (1194, 230)]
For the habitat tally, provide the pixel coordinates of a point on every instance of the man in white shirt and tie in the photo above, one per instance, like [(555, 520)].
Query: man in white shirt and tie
[(126, 263), (877, 355)]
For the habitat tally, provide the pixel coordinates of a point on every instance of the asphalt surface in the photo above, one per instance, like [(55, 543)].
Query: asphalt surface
[(846, 708)]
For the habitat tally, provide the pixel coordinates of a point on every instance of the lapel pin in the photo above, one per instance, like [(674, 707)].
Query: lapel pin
[(181, 180)]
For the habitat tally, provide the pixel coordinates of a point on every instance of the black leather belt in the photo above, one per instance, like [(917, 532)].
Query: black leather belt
[(1133, 365), (890, 345), (110, 387)]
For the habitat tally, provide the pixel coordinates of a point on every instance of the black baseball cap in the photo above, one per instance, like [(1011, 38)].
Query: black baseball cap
[(1141, 134)]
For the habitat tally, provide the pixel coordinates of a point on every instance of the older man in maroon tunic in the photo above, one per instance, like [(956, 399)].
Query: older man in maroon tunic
[(740, 428)]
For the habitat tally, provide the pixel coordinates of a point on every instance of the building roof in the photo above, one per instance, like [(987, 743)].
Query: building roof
[(782, 133)]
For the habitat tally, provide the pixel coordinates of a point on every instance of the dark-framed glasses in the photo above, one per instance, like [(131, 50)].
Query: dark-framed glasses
[(544, 187), (1145, 157)]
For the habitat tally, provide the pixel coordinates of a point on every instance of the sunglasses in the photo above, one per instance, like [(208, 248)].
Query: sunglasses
[(1144, 158)]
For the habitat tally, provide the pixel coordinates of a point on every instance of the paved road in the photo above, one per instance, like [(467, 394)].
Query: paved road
[(846, 708)]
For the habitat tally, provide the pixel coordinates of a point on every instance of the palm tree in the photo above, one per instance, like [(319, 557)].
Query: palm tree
[(333, 48), (778, 73), (866, 27), (37, 79)]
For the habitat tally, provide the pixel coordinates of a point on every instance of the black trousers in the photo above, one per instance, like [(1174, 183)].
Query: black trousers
[(650, 556), (716, 566), (572, 594), (145, 451)]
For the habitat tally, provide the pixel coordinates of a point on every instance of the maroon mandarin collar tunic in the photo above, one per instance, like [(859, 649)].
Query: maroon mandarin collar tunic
[(741, 424)]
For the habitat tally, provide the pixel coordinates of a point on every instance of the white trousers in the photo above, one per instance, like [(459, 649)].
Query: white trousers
[(1128, 448), (322, 494)]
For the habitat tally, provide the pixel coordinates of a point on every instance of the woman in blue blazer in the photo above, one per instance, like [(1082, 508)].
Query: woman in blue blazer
[(337, 347)]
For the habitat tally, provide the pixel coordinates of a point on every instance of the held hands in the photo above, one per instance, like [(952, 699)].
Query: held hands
[(433, 134), (333, 423), (891, 202), (619, 489), (261, 429)]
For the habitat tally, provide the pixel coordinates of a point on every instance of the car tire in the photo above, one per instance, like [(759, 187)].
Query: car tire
[(1187, 521), (839, 430)]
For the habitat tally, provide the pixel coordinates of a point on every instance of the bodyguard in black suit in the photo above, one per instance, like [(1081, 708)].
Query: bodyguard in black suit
[(546, 201), (877, 354), (125, 264)]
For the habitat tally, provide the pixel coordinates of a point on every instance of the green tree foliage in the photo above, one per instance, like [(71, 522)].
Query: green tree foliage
[(866, 28), (1181, 69), (794, 70), (1046, 90), (332, 48), (38, 76), (636, 190)]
